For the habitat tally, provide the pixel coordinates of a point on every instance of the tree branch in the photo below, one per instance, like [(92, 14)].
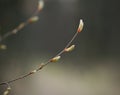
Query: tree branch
[(30, 20)]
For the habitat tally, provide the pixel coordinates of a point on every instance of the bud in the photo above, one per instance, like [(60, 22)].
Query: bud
[(7, 91), (33, 19), (20, 26), (3, 47), (41, 65), (40, 5), (14, 31), (34, 71), (81, 24), (9, 88), (70, 48), (55, 59)]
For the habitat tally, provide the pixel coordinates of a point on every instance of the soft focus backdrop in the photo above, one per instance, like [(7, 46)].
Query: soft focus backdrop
[(91, 69)]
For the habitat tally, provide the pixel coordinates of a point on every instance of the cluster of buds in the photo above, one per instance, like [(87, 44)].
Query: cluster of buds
[(33, 19), (70, 48), (30, 20)]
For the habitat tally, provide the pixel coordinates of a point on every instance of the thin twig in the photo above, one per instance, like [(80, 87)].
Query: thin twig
[(25, 23), (30, 20), (53, 59)]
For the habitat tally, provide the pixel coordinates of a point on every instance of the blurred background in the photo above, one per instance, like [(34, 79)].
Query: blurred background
[(91, 69)]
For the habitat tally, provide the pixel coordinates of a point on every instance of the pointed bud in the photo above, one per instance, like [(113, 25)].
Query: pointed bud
[(6, 92), (70, 48), (40, 5), (33, 19), (81, 24), (34, 71), (55, 59)]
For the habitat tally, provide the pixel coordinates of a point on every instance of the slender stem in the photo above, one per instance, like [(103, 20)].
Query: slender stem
[(68, 44), (47, 62), (43, 64), (17, 29), (6, 35)]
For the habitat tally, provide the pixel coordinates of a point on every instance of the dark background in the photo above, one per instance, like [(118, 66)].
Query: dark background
[(91, 69)]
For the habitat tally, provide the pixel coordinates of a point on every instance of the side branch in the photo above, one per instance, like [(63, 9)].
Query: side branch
[(30, 20)]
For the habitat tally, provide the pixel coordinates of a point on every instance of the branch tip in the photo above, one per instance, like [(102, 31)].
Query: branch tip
[(40, 5), (80, 27)]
